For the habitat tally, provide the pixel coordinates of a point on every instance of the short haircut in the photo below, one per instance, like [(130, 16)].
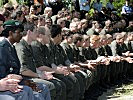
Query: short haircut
[(16, 14), (6, 13), (28, 26), (60, 21), (55, 30), (41, 30), (77, 37)]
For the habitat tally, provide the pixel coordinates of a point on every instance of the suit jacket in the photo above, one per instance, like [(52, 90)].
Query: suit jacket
[(9, 62)]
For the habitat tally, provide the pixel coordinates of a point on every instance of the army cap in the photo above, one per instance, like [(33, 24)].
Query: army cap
[(13, 25)]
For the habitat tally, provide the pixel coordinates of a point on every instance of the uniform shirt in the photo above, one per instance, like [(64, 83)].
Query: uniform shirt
[(25, 55), (82, 7), (87, 53), (69, 51), (97, 6), (129, 45), (118, 49), (58, 55), (38, 53), (127, 10), (109, 5), (108, 50), (9, 62)]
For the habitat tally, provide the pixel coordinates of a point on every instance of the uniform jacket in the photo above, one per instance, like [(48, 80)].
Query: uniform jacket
[(9, 62)]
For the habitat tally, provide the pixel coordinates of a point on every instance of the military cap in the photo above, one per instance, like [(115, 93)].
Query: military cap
[(13, 25)]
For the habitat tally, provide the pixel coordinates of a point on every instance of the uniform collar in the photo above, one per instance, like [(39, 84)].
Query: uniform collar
[(9, 42)]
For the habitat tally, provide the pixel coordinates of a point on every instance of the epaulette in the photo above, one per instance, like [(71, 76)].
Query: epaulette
[(2, 44)]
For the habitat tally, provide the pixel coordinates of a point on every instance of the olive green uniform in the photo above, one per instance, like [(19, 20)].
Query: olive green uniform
[(27, 62), (57, 57), (41, 60)]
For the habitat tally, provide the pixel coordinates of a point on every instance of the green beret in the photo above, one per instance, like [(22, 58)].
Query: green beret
[(13, 25)]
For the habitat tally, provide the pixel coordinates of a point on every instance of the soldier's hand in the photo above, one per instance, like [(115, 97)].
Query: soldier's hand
[(91, 67), (14, 76), (74, 68), (129, 59), (10, 84), (65, 70), (46, 75), (126, 53)]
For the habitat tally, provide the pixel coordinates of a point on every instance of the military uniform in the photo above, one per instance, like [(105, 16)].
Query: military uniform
[(80, 75), (27, 61), (129, 45), (118, 50), (59, 58), (8, 53), (41, 59)]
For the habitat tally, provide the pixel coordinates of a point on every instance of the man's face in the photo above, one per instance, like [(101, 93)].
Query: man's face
[(1, 27), (16, 36), (34, 34), (120, 40), (46, 37)]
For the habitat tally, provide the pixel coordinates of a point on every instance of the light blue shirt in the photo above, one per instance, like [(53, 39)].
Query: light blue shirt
[(109, 5), (98, 6), (82, 7)]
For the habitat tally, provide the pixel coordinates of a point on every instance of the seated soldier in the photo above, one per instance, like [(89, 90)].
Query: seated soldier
[(12, 34)]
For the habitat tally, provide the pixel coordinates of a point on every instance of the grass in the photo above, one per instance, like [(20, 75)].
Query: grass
[(124, 92)]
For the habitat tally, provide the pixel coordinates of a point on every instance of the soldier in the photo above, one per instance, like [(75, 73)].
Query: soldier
[(28, 65), (60, 61), (10, 90), (41, 59), (129, 44), (11, 34), (80, 74), (118, 47)]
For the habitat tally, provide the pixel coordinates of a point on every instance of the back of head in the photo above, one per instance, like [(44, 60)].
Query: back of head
[(55, 30), (28, 26), (41, 30), (77, 37)]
